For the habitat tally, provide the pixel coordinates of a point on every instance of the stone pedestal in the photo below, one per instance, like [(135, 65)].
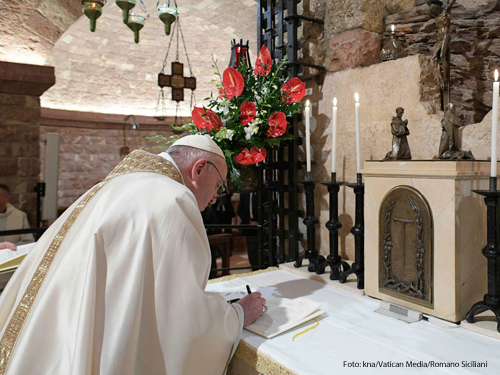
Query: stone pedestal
[(458, 276)]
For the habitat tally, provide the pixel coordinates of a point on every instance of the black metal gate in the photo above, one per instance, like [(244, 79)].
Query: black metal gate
[(278, 192), (278, 22)]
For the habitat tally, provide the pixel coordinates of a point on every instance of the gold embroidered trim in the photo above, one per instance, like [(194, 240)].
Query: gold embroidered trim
[(264, 364), (142, 161), (230, 277), (137, 161)]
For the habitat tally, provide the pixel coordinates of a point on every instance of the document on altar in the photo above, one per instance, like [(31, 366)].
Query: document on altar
[(285, 315)]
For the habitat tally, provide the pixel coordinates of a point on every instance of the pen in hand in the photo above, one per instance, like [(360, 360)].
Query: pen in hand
[(237, 299)]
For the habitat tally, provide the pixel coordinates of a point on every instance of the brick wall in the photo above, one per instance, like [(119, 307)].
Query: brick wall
[(107, 72), (90, 146), (30, 28), (20, 88)]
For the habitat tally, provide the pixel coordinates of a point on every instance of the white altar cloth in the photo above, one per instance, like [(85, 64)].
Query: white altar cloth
[(352, 334)]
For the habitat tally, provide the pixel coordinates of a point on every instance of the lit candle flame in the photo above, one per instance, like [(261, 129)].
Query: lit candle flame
[(334, 101), (356, 97), (392, 28), (496, 75), (307, 103)]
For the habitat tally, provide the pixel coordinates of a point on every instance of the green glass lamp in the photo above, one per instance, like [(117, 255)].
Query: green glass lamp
[(136, 23), (126, 6), (93, 10), (168, 15)]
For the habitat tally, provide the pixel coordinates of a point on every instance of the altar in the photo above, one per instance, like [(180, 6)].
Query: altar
[(351, 338), (434, 266)]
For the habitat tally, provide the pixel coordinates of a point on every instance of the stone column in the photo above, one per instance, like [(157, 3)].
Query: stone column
[(20, 88)]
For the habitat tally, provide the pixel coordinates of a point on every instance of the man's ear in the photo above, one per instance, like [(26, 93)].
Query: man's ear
[(197, 169)]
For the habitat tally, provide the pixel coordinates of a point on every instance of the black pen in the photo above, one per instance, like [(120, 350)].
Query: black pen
[(237, 299)]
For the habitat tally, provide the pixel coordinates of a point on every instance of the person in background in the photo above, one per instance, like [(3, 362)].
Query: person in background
[(10, 219)]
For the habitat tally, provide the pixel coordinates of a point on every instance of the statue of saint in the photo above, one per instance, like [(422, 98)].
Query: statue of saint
[(451, 139), (441, 51), (399, 130)]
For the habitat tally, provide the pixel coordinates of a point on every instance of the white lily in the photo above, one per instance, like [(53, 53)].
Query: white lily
[(250, 130)]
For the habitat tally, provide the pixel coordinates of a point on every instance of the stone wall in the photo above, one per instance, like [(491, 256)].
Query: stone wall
[(409, 83), (90, 146), (20, 88), (30, 28), (351, 35), (475, 51)]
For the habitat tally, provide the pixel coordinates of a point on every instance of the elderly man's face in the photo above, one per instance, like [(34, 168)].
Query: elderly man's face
[(213, 179)]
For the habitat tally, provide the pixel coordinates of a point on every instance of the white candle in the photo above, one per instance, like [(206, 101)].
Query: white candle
[(494, 127), (334, 134), (308, 137), (358, 140)]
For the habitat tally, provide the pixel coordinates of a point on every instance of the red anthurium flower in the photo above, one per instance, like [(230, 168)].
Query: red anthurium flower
[(294, 90), (253, 156), (247, 112), (205, 119), (263, 63), (221, 93), (233, 83), (277, 125)]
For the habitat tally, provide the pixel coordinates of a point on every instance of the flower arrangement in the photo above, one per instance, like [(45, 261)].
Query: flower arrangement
[(250, 111)]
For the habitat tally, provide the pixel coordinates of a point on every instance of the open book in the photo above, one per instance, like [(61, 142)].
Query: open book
[(287, 314), (10, 260)]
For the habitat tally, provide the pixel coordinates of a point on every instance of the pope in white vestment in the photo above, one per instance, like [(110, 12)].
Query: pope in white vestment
[(117, 285)]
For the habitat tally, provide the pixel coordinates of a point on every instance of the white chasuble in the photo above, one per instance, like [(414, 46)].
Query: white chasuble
[(117, 285)]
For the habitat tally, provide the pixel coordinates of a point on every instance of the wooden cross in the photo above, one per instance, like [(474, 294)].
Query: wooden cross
[(177, 81)]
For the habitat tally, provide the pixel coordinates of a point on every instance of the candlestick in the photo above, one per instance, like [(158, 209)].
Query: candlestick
[(358, 230), (310, 221), (358, 140), (491, 300), (308, 137), (334, 134), (494, 128)]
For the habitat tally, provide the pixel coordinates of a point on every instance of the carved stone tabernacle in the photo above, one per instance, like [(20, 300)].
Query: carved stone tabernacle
[(405, 247)]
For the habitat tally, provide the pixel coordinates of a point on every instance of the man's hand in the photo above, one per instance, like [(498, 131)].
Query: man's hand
[(253, 307), (7, 245)]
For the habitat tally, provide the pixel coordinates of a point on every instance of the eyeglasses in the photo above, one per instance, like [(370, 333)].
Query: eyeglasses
[(222, 190)]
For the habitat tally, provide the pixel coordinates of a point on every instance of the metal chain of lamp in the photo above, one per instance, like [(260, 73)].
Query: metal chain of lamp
[(176, 81), (135, 22)]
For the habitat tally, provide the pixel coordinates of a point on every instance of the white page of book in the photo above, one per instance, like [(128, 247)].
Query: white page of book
[(287, 314)]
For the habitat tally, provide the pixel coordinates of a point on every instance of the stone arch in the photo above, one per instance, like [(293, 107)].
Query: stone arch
[(31, 28), (106, 72)]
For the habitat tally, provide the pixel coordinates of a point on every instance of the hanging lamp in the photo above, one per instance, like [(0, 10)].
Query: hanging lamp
[(93, 10), (168, 15), (125, 6), (176, 80)]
